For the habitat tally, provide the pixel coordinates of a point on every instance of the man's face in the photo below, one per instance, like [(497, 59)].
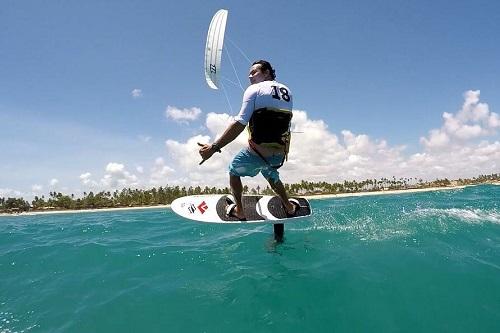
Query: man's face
[(256, 75)]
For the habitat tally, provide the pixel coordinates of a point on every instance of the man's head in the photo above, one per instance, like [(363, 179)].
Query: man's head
[(261, 70)]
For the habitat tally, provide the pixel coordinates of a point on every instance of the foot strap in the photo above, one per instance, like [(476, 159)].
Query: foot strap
[(296, 205), (229, 210)]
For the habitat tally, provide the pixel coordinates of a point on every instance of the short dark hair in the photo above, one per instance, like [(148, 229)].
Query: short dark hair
[(266, 66)]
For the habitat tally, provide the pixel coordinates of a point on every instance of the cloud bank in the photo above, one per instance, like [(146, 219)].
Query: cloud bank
[(473, 121), (459, 149), (466, 145)]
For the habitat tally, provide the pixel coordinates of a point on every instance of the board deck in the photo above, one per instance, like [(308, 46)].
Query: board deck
[(257, 208)]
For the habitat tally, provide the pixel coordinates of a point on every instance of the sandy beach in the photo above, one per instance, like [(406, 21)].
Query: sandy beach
[(359, 194), (309, 197), (73, 211)]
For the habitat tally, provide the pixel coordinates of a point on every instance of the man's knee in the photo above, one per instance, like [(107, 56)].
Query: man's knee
[(273, 182)]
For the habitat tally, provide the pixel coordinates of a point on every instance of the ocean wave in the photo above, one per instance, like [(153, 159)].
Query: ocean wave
[(379, 225), (365, 227), (472, 216)]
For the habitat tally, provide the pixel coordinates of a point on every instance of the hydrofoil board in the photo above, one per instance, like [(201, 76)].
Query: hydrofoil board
[(257, 208)]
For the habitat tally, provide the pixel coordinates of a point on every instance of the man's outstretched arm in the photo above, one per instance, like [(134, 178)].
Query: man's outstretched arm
[(231, 133)]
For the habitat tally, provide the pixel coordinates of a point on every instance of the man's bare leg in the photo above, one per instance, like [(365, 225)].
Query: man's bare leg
[(237, 189), (281, 192)]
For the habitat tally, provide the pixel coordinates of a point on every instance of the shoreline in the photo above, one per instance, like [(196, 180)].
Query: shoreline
[(383, 192), (77, 211), (309, 197)]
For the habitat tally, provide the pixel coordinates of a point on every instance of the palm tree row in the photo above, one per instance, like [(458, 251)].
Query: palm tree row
[(165, 195)]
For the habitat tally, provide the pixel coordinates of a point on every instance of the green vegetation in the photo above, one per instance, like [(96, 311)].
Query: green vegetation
[(165, 195)]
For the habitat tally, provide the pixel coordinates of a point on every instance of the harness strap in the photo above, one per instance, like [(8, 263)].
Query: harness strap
[(252, 145)]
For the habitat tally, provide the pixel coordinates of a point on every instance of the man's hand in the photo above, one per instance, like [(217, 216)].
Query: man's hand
[(231, 132), (206, 151)]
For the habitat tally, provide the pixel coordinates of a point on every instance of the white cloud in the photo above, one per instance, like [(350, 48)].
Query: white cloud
[(214, 171), (137, 93), (53, 182), (472, 121), (161, 174), (36, 188), (459, 148), (86, 180), (115, 168), (10, 193), (117, 177), (321, 155), (455, 161), (317, 154), (437, 139), (217, 123), (182, 115), (85, 177)]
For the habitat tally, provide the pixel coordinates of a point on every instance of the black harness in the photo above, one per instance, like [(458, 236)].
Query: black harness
[(270, 127)]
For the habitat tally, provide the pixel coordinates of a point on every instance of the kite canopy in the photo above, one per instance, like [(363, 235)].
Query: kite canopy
[(213, 49)]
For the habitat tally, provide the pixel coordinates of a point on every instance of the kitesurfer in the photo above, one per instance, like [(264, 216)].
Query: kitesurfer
[(267, 110)]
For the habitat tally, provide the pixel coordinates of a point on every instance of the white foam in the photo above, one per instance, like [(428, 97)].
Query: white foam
[(473, 216)]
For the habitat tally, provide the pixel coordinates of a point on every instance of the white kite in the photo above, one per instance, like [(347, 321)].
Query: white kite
[(213, 49)]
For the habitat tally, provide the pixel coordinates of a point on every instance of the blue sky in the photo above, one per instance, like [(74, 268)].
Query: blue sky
[(371, 80)]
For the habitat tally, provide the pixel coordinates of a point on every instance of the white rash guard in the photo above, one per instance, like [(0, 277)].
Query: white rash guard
[(266, 94)]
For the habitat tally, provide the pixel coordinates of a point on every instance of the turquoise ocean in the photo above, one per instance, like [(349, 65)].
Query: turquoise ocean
[(413, 262)]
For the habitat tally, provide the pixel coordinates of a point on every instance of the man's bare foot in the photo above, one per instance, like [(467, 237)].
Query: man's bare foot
[(239, 213), (232, 210), (291, 207)]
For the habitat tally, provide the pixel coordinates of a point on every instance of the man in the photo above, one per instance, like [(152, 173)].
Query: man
[(267, 109)]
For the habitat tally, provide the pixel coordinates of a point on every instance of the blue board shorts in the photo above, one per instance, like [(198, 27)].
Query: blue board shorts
[(248, 164)]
